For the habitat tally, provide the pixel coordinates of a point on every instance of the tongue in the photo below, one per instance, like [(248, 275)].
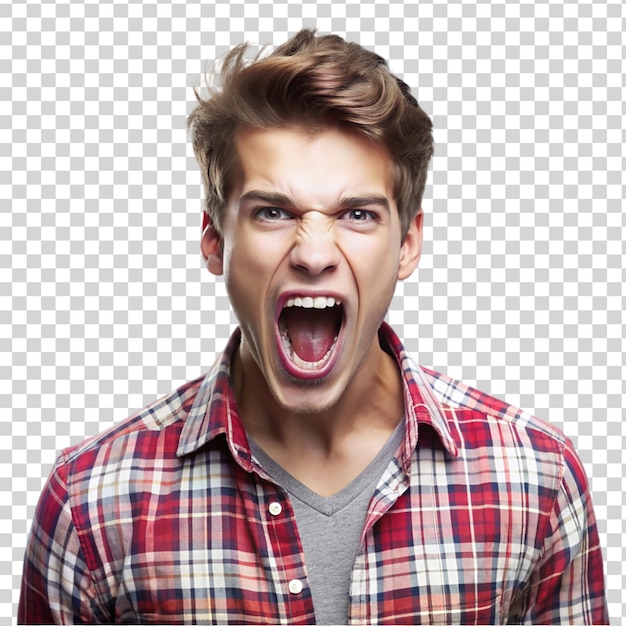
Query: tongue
[(311, 331)]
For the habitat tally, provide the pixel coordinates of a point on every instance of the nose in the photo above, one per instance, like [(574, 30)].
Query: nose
[(315, 250)]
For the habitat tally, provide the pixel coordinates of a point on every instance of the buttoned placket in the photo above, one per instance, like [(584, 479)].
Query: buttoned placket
[(288, 555)]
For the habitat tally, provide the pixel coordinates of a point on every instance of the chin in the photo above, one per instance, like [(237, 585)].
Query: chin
[(306, 397)]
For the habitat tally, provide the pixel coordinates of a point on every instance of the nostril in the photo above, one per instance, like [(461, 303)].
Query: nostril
[(315, 269), (315, 257)]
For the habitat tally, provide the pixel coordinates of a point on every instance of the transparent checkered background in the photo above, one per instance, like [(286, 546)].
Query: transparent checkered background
[(104, 301)]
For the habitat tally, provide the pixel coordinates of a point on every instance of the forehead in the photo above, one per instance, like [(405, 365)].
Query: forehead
[(313, 167)]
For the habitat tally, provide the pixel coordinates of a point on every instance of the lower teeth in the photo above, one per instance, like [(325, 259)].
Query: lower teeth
[(308, 365)]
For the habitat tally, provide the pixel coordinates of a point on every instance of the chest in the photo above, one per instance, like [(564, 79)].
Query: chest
[(438, 546)]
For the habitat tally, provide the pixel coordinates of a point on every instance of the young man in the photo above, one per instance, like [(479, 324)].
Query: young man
[(316, 474)]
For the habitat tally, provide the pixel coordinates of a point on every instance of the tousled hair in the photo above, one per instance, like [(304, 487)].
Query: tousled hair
[(314, 82)]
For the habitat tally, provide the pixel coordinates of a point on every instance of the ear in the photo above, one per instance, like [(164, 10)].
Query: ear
[(211, 246), (411, 249)]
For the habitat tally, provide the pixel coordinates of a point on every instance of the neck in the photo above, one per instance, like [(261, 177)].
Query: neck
[(370, 407)]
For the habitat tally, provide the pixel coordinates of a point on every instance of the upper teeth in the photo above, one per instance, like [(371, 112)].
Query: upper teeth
[(320, 302)]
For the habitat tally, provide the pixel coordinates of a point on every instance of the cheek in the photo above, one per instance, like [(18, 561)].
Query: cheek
[(237, 273), (248, 271), (375, 271), (375, 261)]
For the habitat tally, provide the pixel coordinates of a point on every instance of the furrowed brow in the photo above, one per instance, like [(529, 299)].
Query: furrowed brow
[(358, 202), (274, 198), (268, 197)]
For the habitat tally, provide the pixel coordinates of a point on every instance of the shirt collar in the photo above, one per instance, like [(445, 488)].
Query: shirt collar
[(214, 411), (421, 404)]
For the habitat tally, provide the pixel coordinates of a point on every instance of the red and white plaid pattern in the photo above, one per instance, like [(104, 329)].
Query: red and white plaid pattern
[(483, 516)]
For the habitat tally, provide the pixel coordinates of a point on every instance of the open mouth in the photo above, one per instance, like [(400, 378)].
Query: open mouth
[(309, 330)]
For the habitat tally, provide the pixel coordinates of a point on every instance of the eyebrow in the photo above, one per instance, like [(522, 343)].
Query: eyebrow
[(282, 200)]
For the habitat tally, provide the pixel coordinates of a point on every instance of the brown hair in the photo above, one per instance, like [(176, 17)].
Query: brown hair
[(313, 81)]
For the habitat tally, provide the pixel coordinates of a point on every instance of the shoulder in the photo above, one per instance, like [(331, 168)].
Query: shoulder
[(501, 444), (490, 432), (93, 496), (469, 407), (149, 434), (471, 420)]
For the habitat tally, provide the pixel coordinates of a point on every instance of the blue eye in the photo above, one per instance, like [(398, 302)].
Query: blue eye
[(272, 214), (359, 215)]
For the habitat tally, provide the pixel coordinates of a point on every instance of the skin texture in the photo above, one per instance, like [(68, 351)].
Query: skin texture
[(314, 215)]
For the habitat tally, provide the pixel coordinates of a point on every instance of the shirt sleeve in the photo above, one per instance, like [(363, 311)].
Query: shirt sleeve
[(567, 585), (56, 585)]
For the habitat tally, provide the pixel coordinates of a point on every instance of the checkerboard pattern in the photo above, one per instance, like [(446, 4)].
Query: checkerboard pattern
[(104, 304)]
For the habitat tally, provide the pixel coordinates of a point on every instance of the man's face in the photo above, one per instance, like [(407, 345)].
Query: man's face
[(311, 251)]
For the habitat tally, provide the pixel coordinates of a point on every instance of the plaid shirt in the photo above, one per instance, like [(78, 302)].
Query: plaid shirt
[(483, 516)]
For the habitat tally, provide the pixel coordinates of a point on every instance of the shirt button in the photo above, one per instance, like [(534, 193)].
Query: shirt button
[(275, 508), (295, 586)]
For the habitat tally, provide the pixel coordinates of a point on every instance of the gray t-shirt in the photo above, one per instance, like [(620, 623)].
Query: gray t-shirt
[(330, 528)]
